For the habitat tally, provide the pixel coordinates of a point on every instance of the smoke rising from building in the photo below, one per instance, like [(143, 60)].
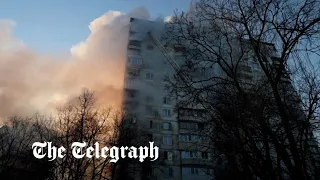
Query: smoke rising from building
[(31, 82)]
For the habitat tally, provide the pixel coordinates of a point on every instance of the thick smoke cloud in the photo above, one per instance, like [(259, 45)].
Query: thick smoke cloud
[(31, 82)]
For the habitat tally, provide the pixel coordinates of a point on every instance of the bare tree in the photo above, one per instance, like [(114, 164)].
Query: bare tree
[(79, 121), (82, 121), (16, 159), (253, 66)]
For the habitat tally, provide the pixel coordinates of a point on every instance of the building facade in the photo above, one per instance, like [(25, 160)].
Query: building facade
[(175, 132)]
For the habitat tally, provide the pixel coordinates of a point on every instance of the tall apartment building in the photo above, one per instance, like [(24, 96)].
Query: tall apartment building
[(174, 129), (147, 99)]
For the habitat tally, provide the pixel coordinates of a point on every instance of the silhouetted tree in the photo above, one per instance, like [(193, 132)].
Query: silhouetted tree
[(16, 158), (253, 66), (78, 121)]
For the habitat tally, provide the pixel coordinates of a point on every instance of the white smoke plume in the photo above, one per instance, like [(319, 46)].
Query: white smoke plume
[(31, 82)]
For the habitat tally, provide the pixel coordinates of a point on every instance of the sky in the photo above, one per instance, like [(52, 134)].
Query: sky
[(51, 26), (51, 50)]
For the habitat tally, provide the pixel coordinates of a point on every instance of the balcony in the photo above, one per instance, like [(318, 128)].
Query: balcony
[(133, 47), (134, 44), (190, 127), (135, 36), (130, 94), (196, 115), (130, 105), (133, 84), (132, 74), (134, 62)]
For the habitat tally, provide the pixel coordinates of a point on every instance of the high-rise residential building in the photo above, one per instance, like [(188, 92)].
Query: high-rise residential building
[(153, 108)]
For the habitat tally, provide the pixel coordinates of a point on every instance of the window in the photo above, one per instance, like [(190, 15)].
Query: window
[(188, 154), (130, 82), (135, 60), (183, 137), (203, 171), (149, 76), (189, 138), (166, 100), (133, 74), (132, 50), (166, 126), (204, 155), (186, 112), (131, 93), (150, 124), (195, 138), (190, 171), (168, 155), (195, 171), (166, 113), (135, 43), (167, 140), (186, 170), (168, 172), (192, 112), (188, 125)]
